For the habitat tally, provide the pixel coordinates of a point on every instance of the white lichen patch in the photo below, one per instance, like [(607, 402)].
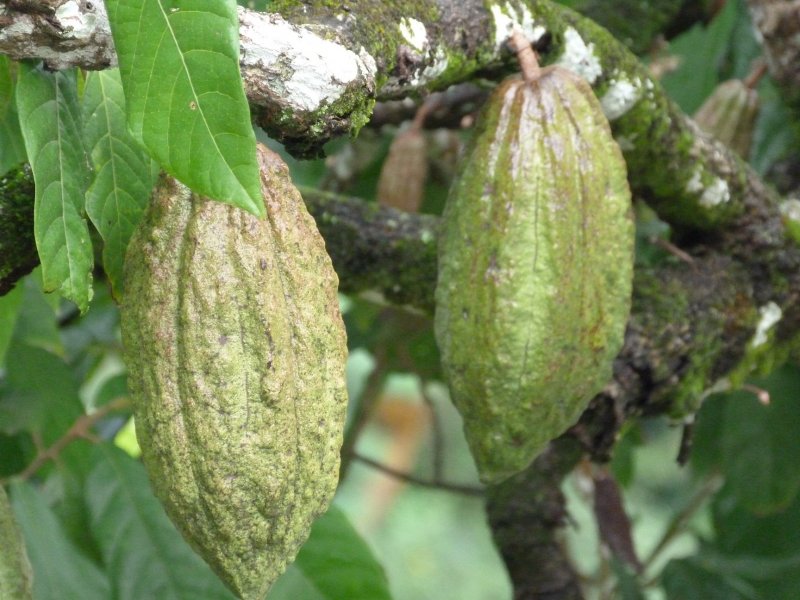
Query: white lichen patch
[(439, 66), (414, 33), (507, 17), (715, 194), (711, 195), (308, 70), (579, 57), (621, 96), (80, 23), (770, 313)]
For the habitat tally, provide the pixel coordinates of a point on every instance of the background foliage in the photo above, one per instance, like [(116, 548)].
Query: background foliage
[(724, 526)]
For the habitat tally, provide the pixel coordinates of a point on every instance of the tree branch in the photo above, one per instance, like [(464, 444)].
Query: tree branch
[(310, 77)]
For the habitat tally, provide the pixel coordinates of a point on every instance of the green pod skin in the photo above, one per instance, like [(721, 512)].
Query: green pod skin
[(535, 268), (236, 355), (15, 570)]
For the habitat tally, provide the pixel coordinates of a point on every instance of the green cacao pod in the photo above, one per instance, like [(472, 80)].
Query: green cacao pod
[(236, 352), (729, 114), (535, 268), (15, 570)]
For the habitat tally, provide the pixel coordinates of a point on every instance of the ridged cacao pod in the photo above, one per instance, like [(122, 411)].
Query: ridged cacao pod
[(401, 184), (15, 570), (535, 268), (729, 114), (236, 352)]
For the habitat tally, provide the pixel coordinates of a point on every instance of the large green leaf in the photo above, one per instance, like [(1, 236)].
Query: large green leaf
[(12, 149), (50, 119), (756, 446), (693, 577), (43, 399), (179, 62), (334, 563), (9, 309), (700, 50), (145, 556), (59, 569), (767, 548), (36, 323), (124, 174)]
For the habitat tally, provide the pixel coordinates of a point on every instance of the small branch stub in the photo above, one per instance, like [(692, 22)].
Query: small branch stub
[(528, 62)]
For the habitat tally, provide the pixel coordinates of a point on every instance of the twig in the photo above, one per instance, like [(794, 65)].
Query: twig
[(672, 249), (369, 398), (80, 429), (710, 486), (457, 488), (761, 394), (437, 434)]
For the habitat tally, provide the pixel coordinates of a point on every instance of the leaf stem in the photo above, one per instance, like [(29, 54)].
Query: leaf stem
[(710, 486), (80, 429)]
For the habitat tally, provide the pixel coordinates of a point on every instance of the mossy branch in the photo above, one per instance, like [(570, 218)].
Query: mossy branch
[(401, 48)]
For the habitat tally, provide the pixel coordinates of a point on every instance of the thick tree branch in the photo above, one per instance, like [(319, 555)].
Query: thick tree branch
[(524, 511), (310, 77)]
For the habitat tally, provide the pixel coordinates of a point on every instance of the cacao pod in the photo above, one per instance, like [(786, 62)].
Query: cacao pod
[(15, 570), (535, 268), (236, 351), (729, 114), (401, 183)]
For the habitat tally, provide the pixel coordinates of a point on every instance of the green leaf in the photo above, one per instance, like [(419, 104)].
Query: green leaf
[(764, 549), (700, 50), (36, 323), (124, 174), (15, 570), (50, 121), (336, 563), (44, 394), (760, 444), (59, 569), (12, 148), (179, 62), (145, 556), (691, 578), (9, 309)]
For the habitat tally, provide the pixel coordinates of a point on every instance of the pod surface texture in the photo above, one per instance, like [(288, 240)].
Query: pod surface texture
[(535, 268), (236, 353)]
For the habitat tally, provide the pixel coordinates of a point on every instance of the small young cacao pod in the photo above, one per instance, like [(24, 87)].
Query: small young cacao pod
[(401, 184), (535, 267), (236, 351), (15, 570), (729, 114)]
